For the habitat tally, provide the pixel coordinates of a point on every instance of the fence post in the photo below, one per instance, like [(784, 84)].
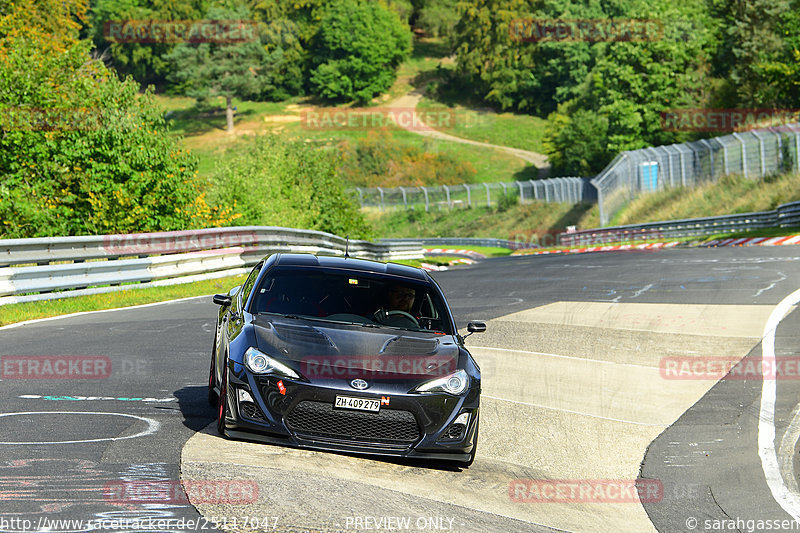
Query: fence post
[(381, 191), (521, 194), (360, 196), (425, 192), (447, 192), (797, 149), (534, 191), (710, 155), (777, 137), (488, 195), (683, 169), (744, 154), (761, 152), (547, 191), (469, 196), (724, 156), (405, 202)]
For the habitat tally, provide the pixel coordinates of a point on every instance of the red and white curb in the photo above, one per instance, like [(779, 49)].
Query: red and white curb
[(754, 241), (608, 248), (440, 268), (453, 251)]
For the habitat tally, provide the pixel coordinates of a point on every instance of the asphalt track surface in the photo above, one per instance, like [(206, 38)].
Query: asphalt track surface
[(575, 392)]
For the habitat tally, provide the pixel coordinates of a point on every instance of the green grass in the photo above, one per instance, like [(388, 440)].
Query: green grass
[(20, 312), (505, 129), (517, 223), (730, 195)]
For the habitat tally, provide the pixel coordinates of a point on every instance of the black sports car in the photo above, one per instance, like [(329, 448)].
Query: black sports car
[(344, 354)]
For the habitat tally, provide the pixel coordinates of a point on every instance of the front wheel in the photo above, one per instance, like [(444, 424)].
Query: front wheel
[(213, 398), (222, 402)]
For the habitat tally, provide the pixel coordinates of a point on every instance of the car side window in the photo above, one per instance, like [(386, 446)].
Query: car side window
[(248, 285)]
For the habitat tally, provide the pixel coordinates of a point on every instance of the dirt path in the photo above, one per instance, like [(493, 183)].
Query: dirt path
[(410, 101)]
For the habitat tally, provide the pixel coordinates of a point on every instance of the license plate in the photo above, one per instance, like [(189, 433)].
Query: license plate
[(359, 404)]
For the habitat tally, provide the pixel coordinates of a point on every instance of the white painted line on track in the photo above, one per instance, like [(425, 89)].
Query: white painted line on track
[(570, 357), (786, 452), (574, 412), (766, 420), (36, 320), (152, 427)]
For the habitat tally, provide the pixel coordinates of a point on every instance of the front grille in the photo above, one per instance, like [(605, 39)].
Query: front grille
[(322, 420)]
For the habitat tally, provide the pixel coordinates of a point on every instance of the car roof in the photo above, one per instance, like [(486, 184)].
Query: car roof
[(350, 263)]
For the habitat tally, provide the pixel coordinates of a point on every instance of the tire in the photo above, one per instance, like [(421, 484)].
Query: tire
[(468, 463), (213, 398), (222, 402)]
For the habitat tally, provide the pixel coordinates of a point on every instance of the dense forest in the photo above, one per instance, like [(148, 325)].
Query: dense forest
[(117, 169)]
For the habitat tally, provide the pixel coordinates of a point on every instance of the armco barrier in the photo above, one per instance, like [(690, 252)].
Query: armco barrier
[(786, 215), (32, 269), (461, 241)]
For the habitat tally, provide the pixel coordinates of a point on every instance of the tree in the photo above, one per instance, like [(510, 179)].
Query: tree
[(438, 17), (576, 142), (145, 61), (82, 152), (629, 87), (758, 41), (357, 50), (228, 69)]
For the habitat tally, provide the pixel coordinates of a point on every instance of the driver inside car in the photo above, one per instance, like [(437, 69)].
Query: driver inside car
[(397, 311)]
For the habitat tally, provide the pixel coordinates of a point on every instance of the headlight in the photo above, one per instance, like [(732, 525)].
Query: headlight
[(455, 383), (260, 363)]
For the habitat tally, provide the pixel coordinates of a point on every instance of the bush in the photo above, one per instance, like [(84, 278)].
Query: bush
[(379, 160), (275, 182)]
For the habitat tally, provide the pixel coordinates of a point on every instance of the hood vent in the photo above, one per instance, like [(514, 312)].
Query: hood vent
[(306, 334), (410, 346)]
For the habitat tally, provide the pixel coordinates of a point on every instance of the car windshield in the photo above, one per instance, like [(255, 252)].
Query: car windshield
[(350, 297)]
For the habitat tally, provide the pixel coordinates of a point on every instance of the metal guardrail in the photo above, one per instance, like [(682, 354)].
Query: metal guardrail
[(462, 241), (33, 269), (786, 215)]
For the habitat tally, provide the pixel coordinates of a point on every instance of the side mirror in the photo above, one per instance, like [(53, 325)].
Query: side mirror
[(222, 299), (476, 327)]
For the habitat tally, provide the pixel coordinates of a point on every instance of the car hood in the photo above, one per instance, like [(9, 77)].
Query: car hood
[(329, 350)]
